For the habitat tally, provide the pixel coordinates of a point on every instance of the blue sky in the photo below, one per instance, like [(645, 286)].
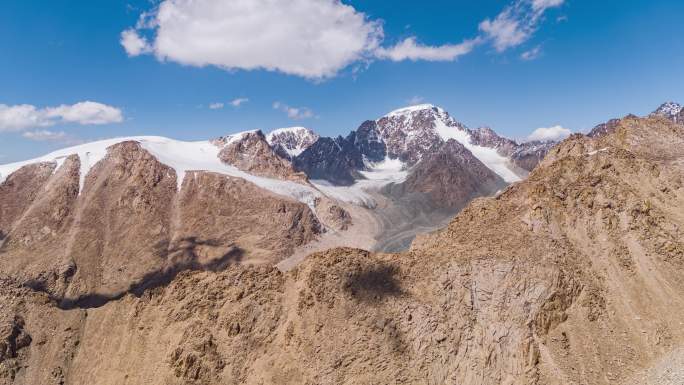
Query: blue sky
[(587, 61)]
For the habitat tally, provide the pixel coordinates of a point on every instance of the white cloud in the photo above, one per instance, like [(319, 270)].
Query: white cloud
[(133, 43), (313, 39), (86, 113), (296, 113), (505, 31), (216, 106), (238, 102), (25, 116), (21, 117), (542, 5), (44, 135), (531, 54), (516, 23), (410, 49), (549, 133)]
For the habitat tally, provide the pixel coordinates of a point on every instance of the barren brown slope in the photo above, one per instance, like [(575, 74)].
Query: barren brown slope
[(130, 227), (573, 276)]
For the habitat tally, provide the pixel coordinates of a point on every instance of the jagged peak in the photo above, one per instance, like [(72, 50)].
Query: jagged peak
[(294, 130), (668, 109), (291, 141)]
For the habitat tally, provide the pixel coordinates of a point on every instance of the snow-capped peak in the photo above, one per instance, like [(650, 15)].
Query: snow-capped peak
[(293, 140), (668, 109), (228, 139), (410, 133), (411, 109), (298, 130)]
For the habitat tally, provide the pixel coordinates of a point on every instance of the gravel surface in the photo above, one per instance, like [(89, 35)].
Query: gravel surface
[(668, 371)]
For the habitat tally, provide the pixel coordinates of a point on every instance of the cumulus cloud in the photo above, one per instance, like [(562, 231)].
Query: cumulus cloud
[(238, 102), (25, 116), (531, 54), (86, 113), (410, 49), (554, 133), (516, 23), (21, 117), (296, 113), (313, 39), (216, 106), (44, 135)]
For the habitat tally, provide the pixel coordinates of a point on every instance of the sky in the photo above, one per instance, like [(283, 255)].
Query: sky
[(73, 71)]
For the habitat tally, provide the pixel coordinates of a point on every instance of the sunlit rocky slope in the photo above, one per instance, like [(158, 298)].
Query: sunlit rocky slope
[(571, 276)]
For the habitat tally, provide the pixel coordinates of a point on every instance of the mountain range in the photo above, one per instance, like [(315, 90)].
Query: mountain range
[(416, 165), (239, 260)]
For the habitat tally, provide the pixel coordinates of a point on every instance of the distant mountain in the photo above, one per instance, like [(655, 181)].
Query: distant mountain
[(668, 110), (409, 134), (291, 141), (411, 169), (672, 111)]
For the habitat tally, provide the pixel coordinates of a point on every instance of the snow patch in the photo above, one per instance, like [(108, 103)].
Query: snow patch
[(489, 156), (597, 151), (295, 130), (669, 109), (385, 172), (411, 109)]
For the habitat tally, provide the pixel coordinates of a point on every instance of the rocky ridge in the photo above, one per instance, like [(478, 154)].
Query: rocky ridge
[(572, 276), (409, 134)]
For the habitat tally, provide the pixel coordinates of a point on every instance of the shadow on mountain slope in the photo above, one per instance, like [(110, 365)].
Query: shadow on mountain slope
[(190, 261)]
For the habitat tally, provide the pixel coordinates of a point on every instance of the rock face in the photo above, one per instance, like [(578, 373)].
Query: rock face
[(253, 154), (292, 141), (486, 137), (367, 141), (572, 276), (451, 176), (411, 132), (336, 160)]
